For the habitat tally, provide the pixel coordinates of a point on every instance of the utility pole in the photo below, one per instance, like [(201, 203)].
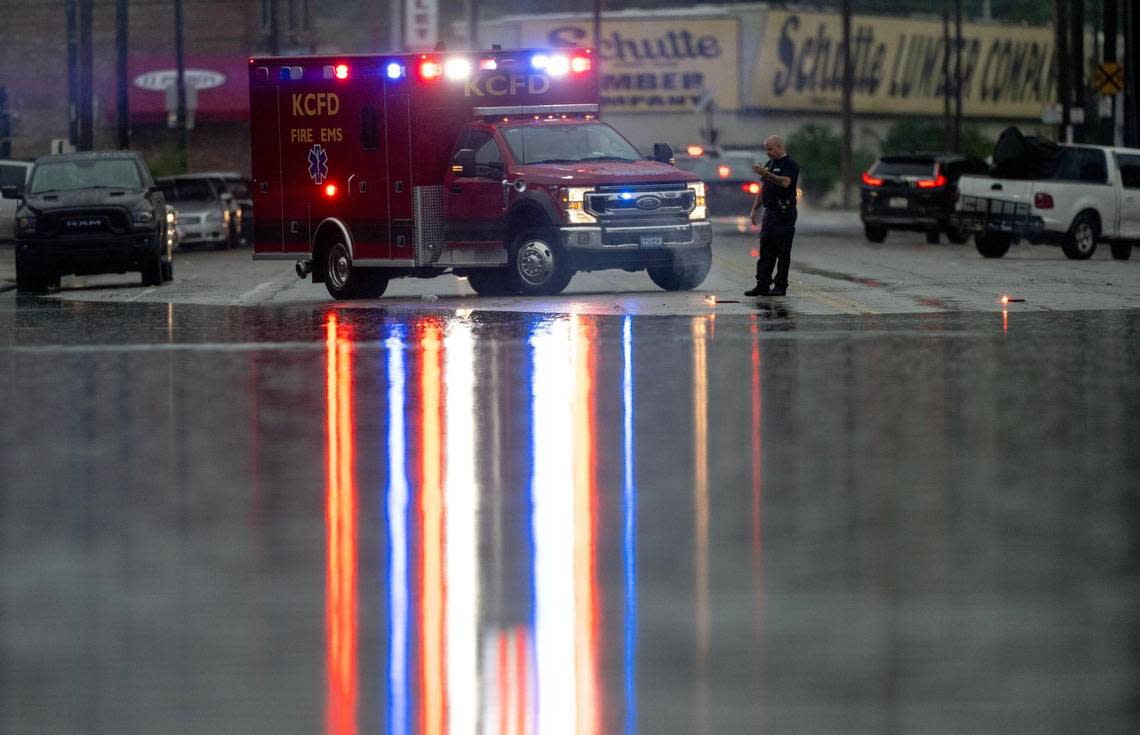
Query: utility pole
[(845, 165), (1077, 34), (122, 29), (1108, 55), (274, 26), (473, 24), (1131, 78), (73, 72), (957, 76), (947, 115), (1061, 28), (86, 78), (183, 133)]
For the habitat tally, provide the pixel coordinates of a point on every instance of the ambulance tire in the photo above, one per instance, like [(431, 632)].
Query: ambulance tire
[(688, 271), (538, 265), (490, 282), (343, 281)]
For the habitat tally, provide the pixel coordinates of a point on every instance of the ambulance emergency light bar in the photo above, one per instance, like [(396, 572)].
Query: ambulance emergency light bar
[(535, 110)]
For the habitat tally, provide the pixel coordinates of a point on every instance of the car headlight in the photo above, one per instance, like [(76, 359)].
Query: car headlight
[(698, 211), (143, 216), (26, 223), (215, 216), (574, 202), (171, 217)]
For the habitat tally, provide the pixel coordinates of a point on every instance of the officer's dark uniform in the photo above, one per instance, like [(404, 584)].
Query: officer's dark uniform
[(777, 226)]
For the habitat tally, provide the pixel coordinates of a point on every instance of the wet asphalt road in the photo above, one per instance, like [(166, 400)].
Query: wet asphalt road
[(410, 517)]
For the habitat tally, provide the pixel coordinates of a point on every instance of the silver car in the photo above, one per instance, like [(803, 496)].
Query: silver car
[(12, 173), (203, 215)]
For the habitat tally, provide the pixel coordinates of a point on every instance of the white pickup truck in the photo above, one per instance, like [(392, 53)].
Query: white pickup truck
[(1092, 195)]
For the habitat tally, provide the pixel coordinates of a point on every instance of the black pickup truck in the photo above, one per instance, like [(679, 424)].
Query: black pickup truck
[(86, 213)]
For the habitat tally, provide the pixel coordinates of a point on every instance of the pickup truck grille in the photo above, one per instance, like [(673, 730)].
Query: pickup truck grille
[(85, 222), (641, 202)]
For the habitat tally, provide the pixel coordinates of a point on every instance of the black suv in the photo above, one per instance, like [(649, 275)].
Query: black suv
[(914, 192), (85, 213)]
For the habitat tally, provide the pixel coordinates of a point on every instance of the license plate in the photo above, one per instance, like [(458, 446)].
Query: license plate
[(652, 241), (897, 203)]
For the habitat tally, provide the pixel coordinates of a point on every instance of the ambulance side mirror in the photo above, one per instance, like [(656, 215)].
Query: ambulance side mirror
[(663, 152), (464, 163), (11, 192)]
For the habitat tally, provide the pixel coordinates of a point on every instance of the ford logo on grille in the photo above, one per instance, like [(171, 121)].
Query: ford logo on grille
[(84, 223), (648, 203)]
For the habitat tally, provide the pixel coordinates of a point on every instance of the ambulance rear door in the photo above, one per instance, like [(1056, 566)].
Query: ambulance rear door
[(265, 145)]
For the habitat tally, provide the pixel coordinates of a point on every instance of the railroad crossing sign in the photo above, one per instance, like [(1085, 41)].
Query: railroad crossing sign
[(1108, 78)]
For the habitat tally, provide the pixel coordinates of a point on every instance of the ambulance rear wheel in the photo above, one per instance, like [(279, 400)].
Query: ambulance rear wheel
[(344, 281), (539, 265)]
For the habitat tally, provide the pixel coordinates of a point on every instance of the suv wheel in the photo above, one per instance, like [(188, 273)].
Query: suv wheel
[(152, 270), (992, 244), (686, 273), (27, 282), (1080, 241), (875, 233)]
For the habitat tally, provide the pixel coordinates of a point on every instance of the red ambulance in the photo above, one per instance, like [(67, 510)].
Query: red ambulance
[(491, 165)]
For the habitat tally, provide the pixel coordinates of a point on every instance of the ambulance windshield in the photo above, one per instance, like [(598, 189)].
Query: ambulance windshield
[(567, 143)]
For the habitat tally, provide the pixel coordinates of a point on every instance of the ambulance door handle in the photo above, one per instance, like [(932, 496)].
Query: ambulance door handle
[(506, 194), (350, 178)]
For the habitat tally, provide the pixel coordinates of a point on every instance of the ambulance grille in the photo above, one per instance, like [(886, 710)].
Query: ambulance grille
[(427, 202)]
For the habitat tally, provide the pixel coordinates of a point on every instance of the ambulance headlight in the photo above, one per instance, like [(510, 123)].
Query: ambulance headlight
[(698, 211), (574, 202)]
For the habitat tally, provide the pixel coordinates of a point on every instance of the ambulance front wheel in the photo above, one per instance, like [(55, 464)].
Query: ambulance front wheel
[(539, 265), (344, 281)]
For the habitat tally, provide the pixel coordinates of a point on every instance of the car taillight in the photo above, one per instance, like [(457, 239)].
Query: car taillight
[(750, 188), (695, 150), (723, 171), (870, 180), (1041, 200), (937, 182)]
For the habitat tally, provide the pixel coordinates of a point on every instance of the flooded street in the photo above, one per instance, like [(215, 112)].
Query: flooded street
[(313, 518)]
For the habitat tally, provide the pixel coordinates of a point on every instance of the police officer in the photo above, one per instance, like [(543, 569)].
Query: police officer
[(775, 211)]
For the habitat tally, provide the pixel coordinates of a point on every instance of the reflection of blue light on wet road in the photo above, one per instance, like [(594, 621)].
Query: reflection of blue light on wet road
[(397, 496), (552, 495), (629, 537)]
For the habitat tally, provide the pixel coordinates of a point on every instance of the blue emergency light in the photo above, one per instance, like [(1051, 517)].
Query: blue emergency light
[(395, 71)]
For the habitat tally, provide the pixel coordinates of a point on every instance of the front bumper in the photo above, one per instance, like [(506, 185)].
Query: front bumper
[(632, 246), (59, 256), (197, 234)]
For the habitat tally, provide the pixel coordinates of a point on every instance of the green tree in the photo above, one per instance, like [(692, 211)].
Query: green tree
[(817, 149), (912, 135)]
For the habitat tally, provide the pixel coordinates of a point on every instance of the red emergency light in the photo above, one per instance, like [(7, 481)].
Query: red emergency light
[(330, 190), (341, 71), (750, 188), (431, 69), (579, 64), (870, 180)]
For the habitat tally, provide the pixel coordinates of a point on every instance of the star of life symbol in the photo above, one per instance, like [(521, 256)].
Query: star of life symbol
[(318, 164)]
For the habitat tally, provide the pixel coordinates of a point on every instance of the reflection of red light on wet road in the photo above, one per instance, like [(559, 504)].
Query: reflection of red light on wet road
[(340, 520), (433, 701), (584, 498)]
